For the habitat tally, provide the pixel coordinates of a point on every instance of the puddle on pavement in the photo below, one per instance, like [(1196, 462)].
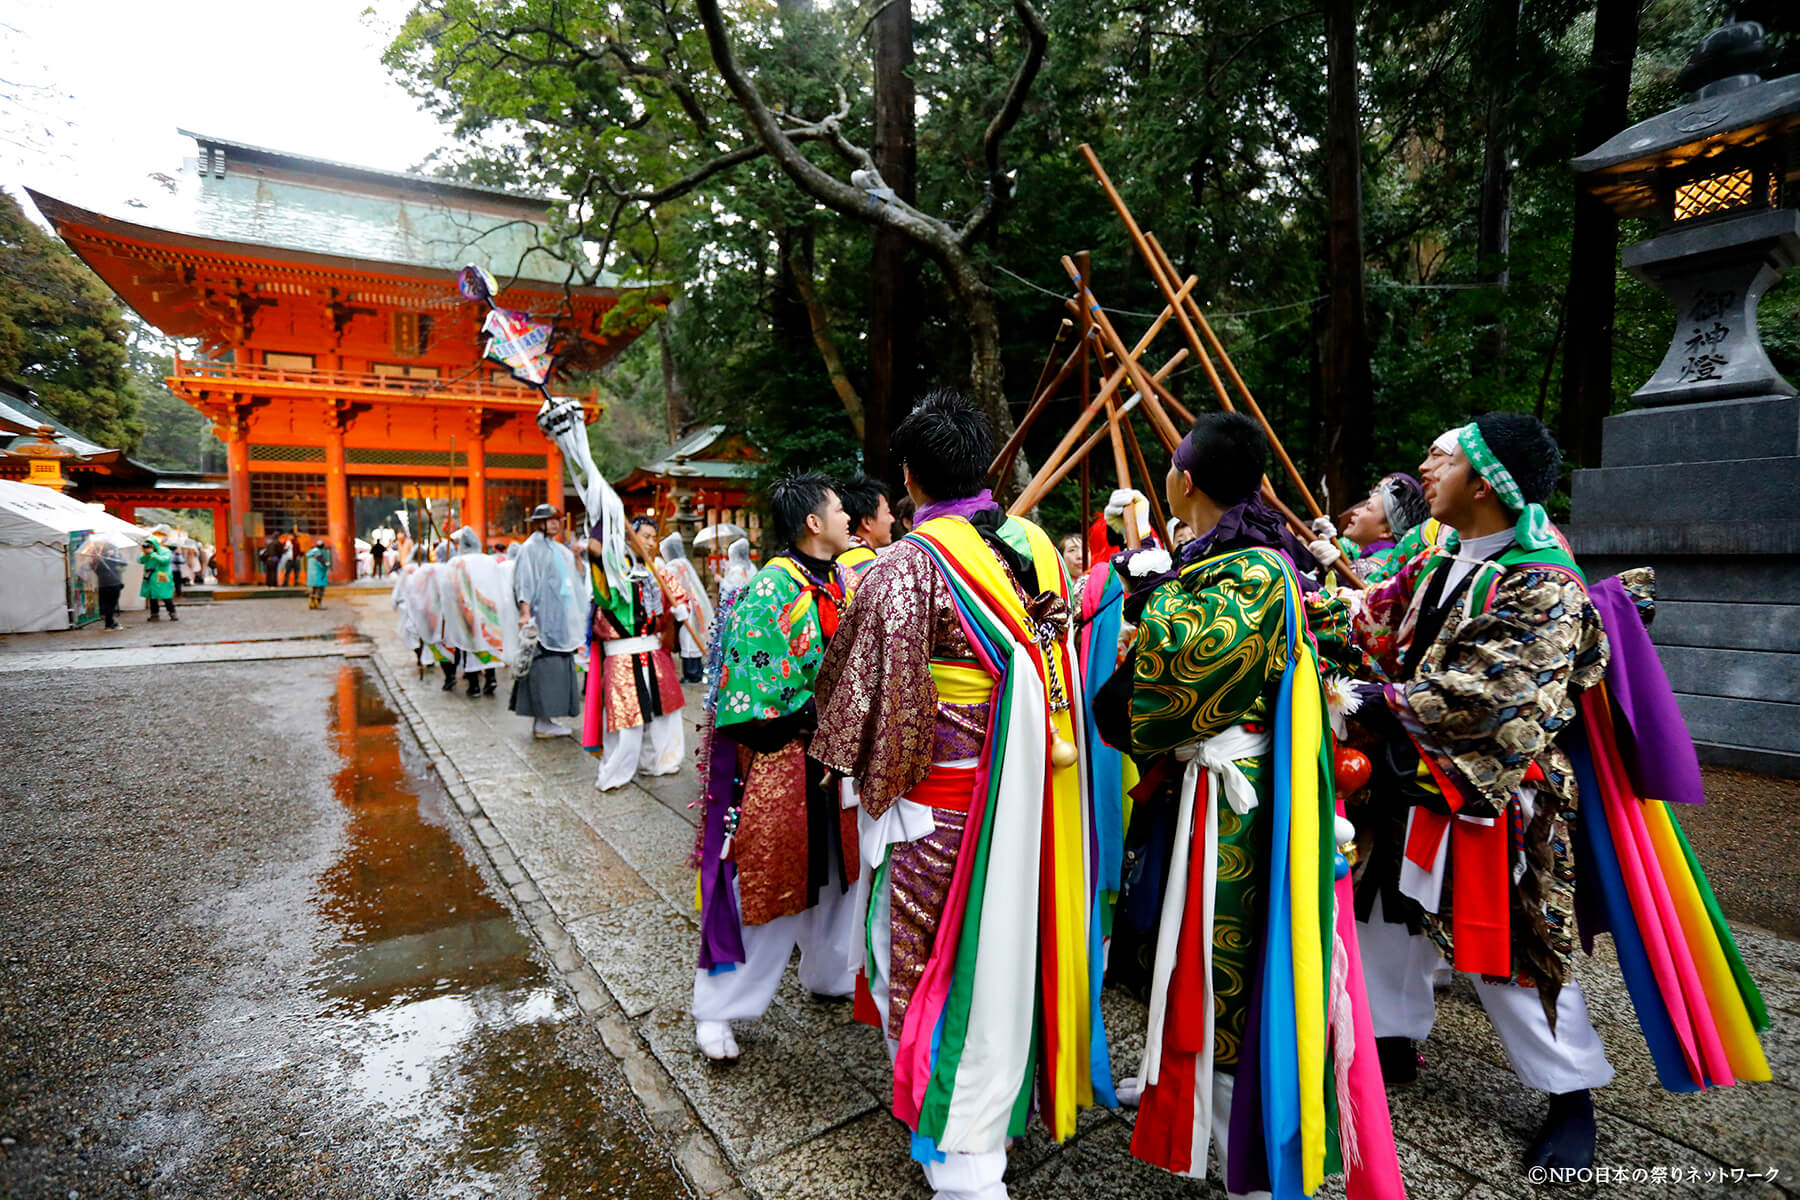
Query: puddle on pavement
[(453, 1029)]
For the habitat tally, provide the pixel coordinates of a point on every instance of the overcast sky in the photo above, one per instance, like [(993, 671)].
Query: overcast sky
[(91, 93)]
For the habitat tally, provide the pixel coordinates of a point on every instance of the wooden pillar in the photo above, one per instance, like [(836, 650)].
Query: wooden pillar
[(239, 568), (553, 473), (337, 499), (475, 507)]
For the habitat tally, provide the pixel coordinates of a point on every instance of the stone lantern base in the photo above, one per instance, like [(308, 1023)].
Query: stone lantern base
[(1709, 494)]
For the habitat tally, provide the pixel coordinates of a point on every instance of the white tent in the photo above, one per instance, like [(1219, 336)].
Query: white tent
[(35, 524)]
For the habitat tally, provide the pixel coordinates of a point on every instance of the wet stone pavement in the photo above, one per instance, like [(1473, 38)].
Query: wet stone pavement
[(281, 1051), (251, 951)]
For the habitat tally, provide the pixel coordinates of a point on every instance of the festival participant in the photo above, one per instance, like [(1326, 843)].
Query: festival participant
[(1258, 1039), (871, 521), (778, 854), (475, 586), (318, 572), (1374, 528), (633, 688), (949, 697), (159, 584), (553, 614), (1071, 547), (681, 579), (739, 570), (1487, 640)]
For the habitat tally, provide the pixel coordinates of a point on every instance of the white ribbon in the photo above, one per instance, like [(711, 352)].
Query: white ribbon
[(620, 647), (1218, 756)]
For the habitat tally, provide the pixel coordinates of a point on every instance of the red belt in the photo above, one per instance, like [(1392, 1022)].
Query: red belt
[(950, 788)]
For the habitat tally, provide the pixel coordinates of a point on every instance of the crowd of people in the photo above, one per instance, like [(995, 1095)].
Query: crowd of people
[(1277, 783)]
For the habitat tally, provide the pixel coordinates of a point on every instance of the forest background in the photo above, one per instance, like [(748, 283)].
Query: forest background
[(1375, 198)]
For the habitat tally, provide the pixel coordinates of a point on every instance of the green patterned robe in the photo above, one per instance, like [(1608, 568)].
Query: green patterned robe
[(1208, 656)]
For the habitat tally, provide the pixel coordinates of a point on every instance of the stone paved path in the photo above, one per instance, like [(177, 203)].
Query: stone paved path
[(603, 879)]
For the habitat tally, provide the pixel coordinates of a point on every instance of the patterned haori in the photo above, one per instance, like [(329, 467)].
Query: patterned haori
[(630, 689), (780, 818), (1482, 706)]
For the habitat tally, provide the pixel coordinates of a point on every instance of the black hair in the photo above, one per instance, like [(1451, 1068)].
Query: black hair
[(862, 496), (639, 522), (794, 498), (947, 445), (1526, 449), (1226, 454)]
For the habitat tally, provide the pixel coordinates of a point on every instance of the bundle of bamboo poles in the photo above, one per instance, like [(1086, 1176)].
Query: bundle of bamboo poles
[(1097, 342)]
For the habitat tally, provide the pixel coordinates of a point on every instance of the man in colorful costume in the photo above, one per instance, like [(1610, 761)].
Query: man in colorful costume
[(1259, 1038), (949, 697), (1376, 531), (871, 521), (777, 850), (1487, 640), (632, 717)]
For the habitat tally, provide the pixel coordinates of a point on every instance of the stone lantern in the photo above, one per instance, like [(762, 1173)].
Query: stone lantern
[(1702, 480)]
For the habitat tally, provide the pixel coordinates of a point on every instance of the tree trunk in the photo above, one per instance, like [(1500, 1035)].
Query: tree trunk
[(1587, 387), (801, 272), (986, 378), (1493, 211), (893, 299), (1347, 381), (678, 406)]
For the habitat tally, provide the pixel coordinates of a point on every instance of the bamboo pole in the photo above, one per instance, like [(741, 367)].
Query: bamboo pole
[(1063, 467), (1256, 411), (1003, 461), (1048, 476), (1150, 488), (1152, 389), (1156, 273), (1093, 407)]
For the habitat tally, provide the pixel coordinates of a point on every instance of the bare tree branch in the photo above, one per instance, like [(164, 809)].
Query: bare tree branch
[(1037, 38)]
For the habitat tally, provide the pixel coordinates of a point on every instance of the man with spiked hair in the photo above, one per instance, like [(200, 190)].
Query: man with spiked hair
[(777, 853), (1486, 640), (950, 697)]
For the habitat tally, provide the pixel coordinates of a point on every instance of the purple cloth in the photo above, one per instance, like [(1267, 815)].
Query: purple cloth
[(1655, 743), (1247, 1160), (966, 507), (721, 928)]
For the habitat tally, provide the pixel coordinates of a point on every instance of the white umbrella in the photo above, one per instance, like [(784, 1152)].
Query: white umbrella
[(720, 534)]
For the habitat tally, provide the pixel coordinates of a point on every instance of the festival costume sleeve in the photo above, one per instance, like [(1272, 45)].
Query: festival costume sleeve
[(769, 657), (877, 701), (1329, 620), (1378, 626), (1492, 702), (1205, 658)]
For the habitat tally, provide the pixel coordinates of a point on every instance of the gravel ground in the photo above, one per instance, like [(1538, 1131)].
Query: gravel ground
[(246, 956), (1747, 836)]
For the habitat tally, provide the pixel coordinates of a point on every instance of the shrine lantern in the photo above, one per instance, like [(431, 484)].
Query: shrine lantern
[(1721, 176)]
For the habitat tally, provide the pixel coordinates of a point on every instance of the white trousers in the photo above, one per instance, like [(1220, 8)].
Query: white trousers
[(823, 933), (1397, 972), (628, 752)]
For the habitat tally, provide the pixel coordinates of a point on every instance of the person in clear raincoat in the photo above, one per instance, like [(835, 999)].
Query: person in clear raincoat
[(692, 633), (739, 570), (552, 598), (479, 624)]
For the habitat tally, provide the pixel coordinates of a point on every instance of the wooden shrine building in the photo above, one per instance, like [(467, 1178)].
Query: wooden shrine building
[(338, 362)]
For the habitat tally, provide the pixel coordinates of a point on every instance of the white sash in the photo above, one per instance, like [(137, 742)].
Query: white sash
[(1218, 756), (620, 647)]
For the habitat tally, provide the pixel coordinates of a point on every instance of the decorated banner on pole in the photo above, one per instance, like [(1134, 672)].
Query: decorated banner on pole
[(522, 345)]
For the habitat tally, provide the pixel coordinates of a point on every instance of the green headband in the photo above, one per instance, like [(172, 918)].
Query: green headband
[(1533, 530)]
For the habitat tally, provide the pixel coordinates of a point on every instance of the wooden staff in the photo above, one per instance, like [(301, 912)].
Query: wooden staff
[(1218, 348), (1152, 389), (1061, 467), (1150, 488), (1048, 476), (1003, 461), (1094, 406), (1084, 264)]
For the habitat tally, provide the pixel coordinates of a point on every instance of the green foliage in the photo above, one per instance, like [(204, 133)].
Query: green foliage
[(177, 437), (1209, 119), (63, 335)]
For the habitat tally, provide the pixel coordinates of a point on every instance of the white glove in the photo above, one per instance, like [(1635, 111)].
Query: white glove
[(1352, 600), (1325, 552), (1322, 527)]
